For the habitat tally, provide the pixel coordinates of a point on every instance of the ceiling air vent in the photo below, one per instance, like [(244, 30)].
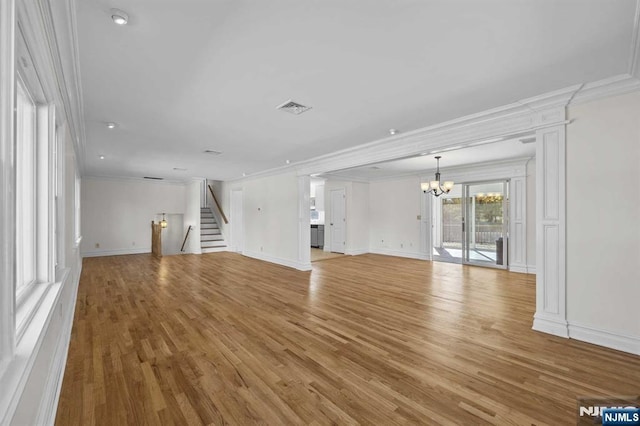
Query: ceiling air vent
[(293, 107), (153, 178), (212, 152)]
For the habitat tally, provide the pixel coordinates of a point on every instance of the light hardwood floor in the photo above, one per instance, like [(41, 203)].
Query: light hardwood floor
[(224, 339)]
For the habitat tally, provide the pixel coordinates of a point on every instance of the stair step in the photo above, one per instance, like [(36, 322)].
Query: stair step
[(211, 237), (208, 244), (208, 226), (214, 249), (209, 230), (207, 221)]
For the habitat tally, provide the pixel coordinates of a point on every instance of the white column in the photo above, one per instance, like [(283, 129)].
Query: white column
[(551, 315), (304, 223), (518, 224)]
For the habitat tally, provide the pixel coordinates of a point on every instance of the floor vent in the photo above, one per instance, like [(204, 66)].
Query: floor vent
[(293, 107)]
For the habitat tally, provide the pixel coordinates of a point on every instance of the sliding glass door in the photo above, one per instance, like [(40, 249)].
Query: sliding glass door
[(485, 224), (471, 225)]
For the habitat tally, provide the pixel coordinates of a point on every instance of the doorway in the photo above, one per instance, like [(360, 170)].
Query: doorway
[(471, 224), (337, 224), (237, 221)]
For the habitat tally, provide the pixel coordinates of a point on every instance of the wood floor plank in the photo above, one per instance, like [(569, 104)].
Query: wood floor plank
[(224, 339)]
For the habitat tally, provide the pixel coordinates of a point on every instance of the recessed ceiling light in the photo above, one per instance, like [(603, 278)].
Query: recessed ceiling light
[(102, 157), (111, 125), (393, 131), (243, 174), (288, 161), (119, 17)]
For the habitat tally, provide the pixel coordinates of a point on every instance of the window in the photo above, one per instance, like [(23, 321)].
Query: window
[(34, 139), (25, 190)]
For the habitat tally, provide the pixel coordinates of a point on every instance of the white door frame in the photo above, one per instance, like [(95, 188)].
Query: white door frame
[(332, 220), (237, 220)]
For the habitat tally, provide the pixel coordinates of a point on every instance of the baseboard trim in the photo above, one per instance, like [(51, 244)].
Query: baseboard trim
[(300, 266), (618, 341), (531, 270), (117, 252), (49, 401), (550, 326), (356, 252), (398, 253)]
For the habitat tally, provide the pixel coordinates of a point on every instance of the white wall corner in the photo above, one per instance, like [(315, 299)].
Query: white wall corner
[(621, 342)]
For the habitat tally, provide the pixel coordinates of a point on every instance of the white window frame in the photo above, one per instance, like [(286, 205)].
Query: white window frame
[(29, 296)]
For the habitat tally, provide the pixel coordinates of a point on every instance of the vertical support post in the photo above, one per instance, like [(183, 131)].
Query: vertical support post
[(304, 223), (551, 311), (517, 244), (7, 182)]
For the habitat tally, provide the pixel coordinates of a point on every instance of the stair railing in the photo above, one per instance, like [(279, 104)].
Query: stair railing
[(224, 217), (185, 238)]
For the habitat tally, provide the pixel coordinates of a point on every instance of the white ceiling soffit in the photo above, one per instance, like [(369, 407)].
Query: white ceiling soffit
[(183, 77), (490, 152)]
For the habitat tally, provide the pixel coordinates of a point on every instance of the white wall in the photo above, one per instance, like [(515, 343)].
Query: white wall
[(394, 224), (117, 213), (358, 219), (603, 216), (192, 217), (270, 209)]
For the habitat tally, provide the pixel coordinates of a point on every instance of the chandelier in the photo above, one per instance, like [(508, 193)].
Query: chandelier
[(436, 187)]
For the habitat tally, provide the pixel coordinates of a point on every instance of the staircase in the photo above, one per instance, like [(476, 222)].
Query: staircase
[(211, 238)]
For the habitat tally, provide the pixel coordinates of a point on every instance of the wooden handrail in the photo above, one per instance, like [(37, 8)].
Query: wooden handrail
[(218, 204), (185, 238)]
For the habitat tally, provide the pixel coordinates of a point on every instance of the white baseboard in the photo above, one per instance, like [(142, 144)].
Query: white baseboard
[(550, 326), (522, 269), (278, 260), (621, 342), (51, 394), (356, 252), (117, 252), (398, 253)]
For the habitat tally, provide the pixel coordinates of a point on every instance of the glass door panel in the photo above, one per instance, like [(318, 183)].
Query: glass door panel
[(447, 235), (485, 224)]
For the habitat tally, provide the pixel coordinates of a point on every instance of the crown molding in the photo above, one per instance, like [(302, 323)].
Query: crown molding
[(52, 43), (611, 86), (140, 180)]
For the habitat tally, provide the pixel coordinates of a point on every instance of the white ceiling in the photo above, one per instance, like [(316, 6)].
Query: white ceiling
[(496, 151), (190, 75)]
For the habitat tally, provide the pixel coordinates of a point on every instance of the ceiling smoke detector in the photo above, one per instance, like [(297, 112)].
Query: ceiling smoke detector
[(212, 152), (293, 107)]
